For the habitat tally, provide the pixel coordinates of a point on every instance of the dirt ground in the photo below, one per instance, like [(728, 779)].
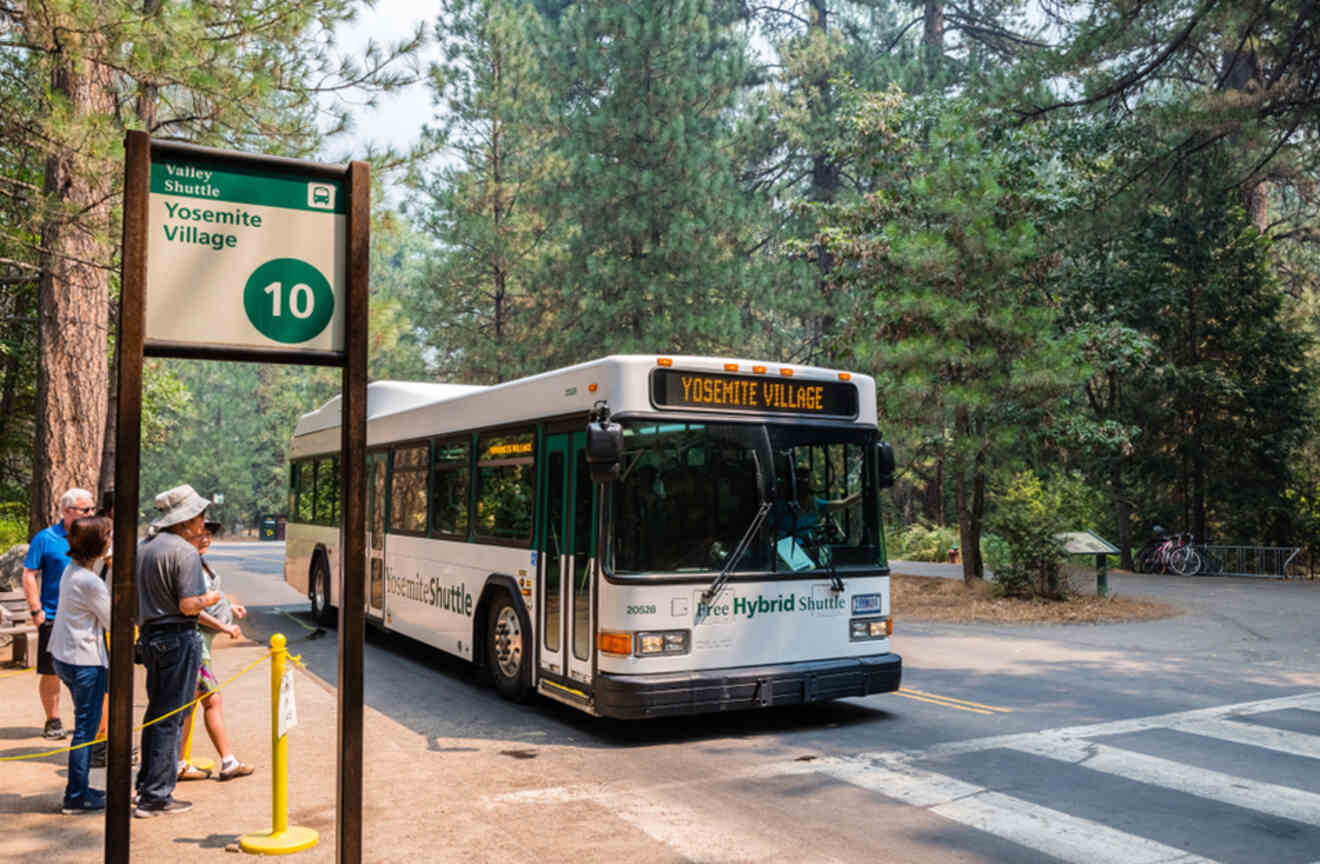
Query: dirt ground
[(928, 598)]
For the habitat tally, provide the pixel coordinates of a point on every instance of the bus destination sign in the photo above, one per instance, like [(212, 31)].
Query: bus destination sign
[(673, 388)]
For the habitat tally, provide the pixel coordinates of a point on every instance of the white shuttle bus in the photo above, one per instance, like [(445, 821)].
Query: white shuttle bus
[(636, 536)]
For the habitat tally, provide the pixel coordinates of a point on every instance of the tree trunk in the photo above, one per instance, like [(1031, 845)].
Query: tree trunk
[(1122, 513), (932, 42), (148, 99), (932, 495), (971, 503), (1240, 70), (106, 480), (72, 302)]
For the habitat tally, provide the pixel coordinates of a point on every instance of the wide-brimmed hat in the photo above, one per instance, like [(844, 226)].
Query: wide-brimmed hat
[(178, 505)]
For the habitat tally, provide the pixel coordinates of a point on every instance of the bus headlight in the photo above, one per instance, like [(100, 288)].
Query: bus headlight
[(652, 642), (860, 629)]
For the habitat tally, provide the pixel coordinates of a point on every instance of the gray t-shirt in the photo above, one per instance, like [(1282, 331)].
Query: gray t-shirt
[(168, 568)]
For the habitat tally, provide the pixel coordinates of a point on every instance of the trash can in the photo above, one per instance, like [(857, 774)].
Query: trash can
[(268, 528)]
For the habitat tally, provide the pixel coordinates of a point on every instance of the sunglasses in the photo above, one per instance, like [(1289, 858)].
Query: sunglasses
[(83, 510)]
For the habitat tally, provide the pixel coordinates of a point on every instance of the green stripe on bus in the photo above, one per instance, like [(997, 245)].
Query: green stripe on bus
[(229, 186)]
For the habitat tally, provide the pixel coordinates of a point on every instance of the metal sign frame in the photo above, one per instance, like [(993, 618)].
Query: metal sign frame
[(132, 347)]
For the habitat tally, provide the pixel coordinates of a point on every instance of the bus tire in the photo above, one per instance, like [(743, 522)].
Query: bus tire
[(508, 650), (319, 590)]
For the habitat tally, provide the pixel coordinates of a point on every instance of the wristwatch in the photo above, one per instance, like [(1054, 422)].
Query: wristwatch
[(35, 611)]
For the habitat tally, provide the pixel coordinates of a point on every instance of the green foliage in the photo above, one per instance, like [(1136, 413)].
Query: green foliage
[(922, 542), (962, 335), (1027, 515), (996, 552), (643, 98), (13, 524), (484, 204), (231, 435)]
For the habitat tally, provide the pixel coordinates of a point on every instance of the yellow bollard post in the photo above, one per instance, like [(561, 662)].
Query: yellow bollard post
[(281, 839), (200, 763)]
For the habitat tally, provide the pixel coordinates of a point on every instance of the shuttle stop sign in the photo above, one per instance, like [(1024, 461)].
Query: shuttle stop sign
[(245, 256)]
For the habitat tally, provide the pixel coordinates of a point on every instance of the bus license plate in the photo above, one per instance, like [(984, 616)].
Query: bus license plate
[(864, 603)]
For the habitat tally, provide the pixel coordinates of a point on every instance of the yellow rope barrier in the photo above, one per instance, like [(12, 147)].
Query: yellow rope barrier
[(184, 707), (18, 672)]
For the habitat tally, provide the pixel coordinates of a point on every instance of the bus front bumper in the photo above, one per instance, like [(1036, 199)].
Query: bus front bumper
[(630, 697)]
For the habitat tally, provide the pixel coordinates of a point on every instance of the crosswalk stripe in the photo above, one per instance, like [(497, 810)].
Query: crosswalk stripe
[(1282, 801), (661, 811), (1292, 743), (1070, 838), (693, 834), (1180, 719)]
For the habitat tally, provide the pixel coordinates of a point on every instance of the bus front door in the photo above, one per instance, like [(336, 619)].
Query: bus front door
[(566, 552), (376, 534)]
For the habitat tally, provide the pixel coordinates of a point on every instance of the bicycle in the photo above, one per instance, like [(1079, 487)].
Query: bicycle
[(1184, 560), (1175, 554)]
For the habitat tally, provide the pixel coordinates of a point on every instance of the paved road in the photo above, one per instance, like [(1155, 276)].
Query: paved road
[(1163, 741), (1187, 740)]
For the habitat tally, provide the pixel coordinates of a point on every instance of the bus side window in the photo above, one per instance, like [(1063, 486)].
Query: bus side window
[(306, 492), (505, 486), (293, 489), (450, 484), (327, 490), (408, 488)]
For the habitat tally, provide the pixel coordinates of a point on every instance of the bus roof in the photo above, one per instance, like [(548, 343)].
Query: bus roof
[(400, 410)]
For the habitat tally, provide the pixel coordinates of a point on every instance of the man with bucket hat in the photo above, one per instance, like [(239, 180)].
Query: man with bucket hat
[(171, 592)]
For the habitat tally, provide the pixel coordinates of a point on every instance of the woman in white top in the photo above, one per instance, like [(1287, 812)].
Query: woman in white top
[(78, 646)]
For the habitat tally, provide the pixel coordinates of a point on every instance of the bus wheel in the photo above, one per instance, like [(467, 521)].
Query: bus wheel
[(508, 651), (322, 612)]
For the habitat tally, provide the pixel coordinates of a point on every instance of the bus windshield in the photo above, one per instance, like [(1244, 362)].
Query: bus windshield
[(688, 492)]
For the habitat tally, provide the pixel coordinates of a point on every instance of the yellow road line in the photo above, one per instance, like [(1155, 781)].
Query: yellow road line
[(957, 701), (944, 704)]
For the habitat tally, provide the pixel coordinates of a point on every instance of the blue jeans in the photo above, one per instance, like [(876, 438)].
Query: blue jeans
[(172, 659), (87, 684)]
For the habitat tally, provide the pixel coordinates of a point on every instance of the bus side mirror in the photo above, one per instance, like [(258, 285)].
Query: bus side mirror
[(604, 449), (884, 463)]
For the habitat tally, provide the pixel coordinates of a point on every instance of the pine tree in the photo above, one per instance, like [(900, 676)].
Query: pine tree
[(660, 256), (961, 334), (244, 75), (484, 206)]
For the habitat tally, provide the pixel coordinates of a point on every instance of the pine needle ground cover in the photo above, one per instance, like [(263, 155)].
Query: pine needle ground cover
[(930, 598)]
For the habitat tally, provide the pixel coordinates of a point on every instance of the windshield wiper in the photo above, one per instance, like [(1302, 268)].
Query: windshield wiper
[(708, 596), (836, 582)]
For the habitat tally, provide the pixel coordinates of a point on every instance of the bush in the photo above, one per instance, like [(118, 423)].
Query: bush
[(13, 524), (1027, 516), (995, 553), (922, 542)]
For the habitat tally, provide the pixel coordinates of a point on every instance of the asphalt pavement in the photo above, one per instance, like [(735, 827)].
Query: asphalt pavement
[(1194, 738)]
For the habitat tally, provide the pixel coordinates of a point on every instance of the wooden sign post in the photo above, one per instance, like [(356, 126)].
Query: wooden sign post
[(234, 256)]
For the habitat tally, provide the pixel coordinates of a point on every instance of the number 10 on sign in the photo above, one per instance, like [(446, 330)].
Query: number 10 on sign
[(288, 300)]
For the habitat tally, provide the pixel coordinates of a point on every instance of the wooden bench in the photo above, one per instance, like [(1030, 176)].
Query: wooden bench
[(16, 623)]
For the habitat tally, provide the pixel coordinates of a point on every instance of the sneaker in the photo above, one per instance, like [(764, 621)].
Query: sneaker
[(242, 769), (54, 730), (92, 802), (192, 772), (160, 808)]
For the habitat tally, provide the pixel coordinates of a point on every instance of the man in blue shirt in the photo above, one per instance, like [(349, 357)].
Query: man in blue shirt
[(47, 556)]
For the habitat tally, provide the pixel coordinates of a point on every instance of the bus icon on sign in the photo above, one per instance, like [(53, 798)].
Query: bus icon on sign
[(320, 196)]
